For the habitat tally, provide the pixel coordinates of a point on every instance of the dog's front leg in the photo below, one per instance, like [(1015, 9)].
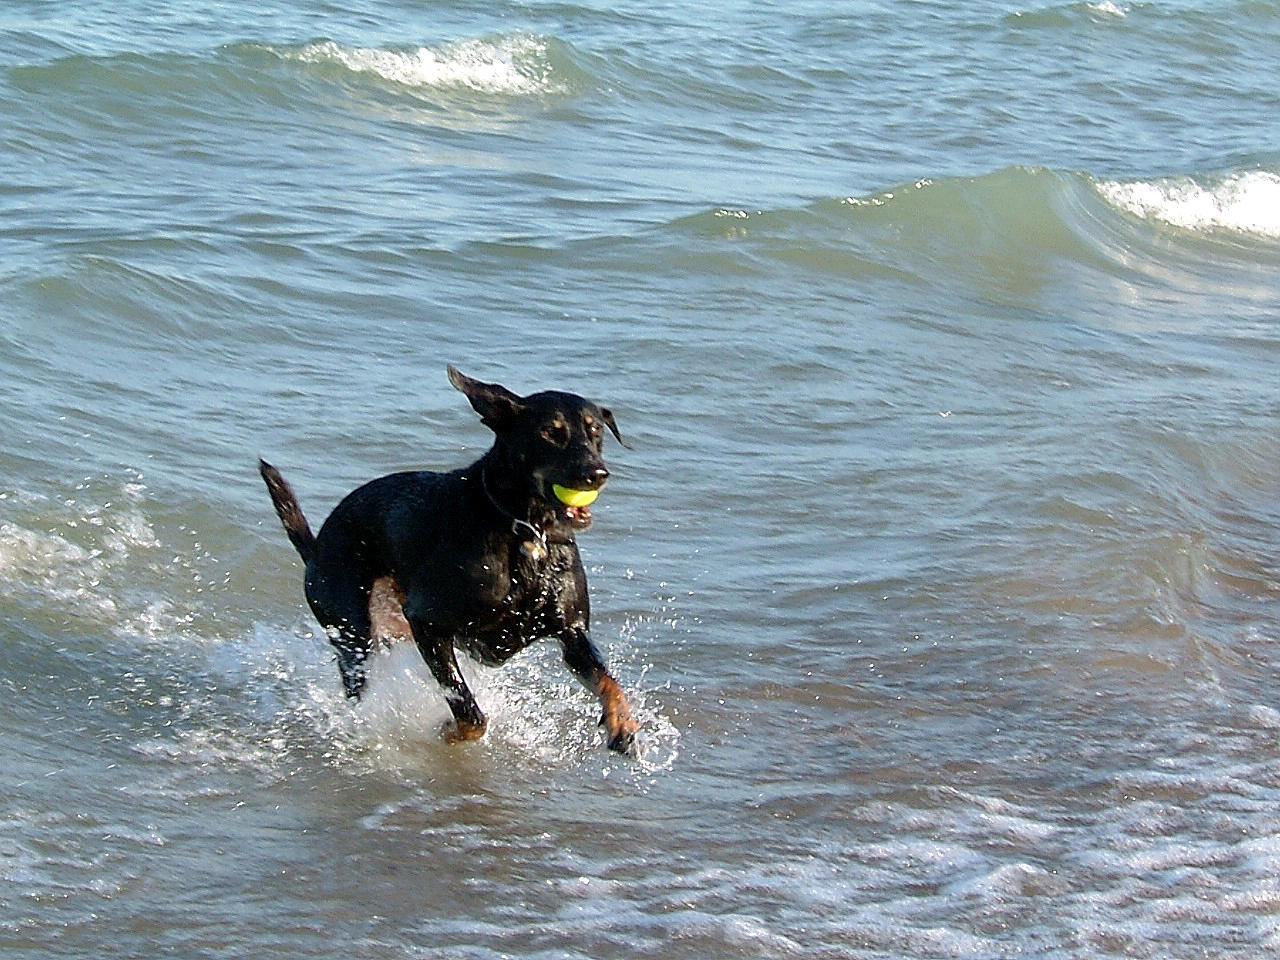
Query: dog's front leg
[(468, 719), (588, 666)]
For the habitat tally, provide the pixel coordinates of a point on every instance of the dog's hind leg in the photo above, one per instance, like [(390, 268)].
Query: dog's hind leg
[(341, 604), (387, 622), (353, 651)]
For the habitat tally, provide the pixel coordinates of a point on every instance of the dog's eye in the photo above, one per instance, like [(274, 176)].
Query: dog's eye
[(557, 434)]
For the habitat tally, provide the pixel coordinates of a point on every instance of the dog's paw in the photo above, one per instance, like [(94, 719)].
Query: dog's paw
[(458, 731), (622, 735), (626, 744)]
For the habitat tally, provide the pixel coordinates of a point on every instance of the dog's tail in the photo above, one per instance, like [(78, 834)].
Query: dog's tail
[(286, 502)]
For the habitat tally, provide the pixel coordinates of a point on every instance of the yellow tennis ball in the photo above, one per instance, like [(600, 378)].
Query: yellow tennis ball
[(574, 498)]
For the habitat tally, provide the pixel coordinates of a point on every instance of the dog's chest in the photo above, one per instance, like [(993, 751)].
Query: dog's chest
[(536, 581), (529, 599)]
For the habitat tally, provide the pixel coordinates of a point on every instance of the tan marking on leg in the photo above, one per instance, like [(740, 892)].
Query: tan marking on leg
[(617, 719), (387, 622)]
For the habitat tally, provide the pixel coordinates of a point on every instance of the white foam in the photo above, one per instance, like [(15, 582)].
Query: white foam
[(1108, 8), (100, 559), (1265, 716), (743, 931), (1006, 882), (1247, 203), (52, 566), (514, 65), (27, 551)]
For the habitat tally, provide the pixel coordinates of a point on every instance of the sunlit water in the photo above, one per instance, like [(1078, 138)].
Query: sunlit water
[(943, 572)]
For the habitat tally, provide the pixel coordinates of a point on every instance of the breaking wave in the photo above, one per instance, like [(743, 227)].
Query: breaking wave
[(514, 65), (1026, 232), (1243, 203)]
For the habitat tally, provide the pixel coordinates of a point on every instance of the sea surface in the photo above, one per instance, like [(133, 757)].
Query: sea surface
[(944, 571)]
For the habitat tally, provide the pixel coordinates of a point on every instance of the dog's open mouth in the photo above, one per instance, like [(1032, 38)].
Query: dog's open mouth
[(575, 505), (577, 517)]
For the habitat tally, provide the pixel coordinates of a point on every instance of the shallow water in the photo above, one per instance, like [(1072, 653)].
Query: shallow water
[(943, 571)]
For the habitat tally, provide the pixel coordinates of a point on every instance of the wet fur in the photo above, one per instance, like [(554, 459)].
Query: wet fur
[(482, 558)]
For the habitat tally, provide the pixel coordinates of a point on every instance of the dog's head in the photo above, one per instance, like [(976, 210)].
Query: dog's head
[(549, 444)]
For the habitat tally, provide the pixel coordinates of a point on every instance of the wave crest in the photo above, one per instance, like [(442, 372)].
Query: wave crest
[(1246, 203), (515, 65)]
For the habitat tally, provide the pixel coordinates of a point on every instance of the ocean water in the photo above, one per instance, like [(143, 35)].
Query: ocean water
[(944, 571)]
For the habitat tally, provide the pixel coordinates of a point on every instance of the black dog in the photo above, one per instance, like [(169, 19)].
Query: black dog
[(483, 557)]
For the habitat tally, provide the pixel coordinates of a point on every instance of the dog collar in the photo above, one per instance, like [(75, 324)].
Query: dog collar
[(536, 548)]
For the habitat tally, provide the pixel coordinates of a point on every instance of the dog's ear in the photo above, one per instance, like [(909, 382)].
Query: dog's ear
[(498, 407), (607, 415)]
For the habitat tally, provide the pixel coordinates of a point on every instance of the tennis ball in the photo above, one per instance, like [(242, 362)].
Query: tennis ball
[(574, 498)]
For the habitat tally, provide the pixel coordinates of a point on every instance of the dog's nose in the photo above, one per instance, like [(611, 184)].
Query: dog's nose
[(597, 476)]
